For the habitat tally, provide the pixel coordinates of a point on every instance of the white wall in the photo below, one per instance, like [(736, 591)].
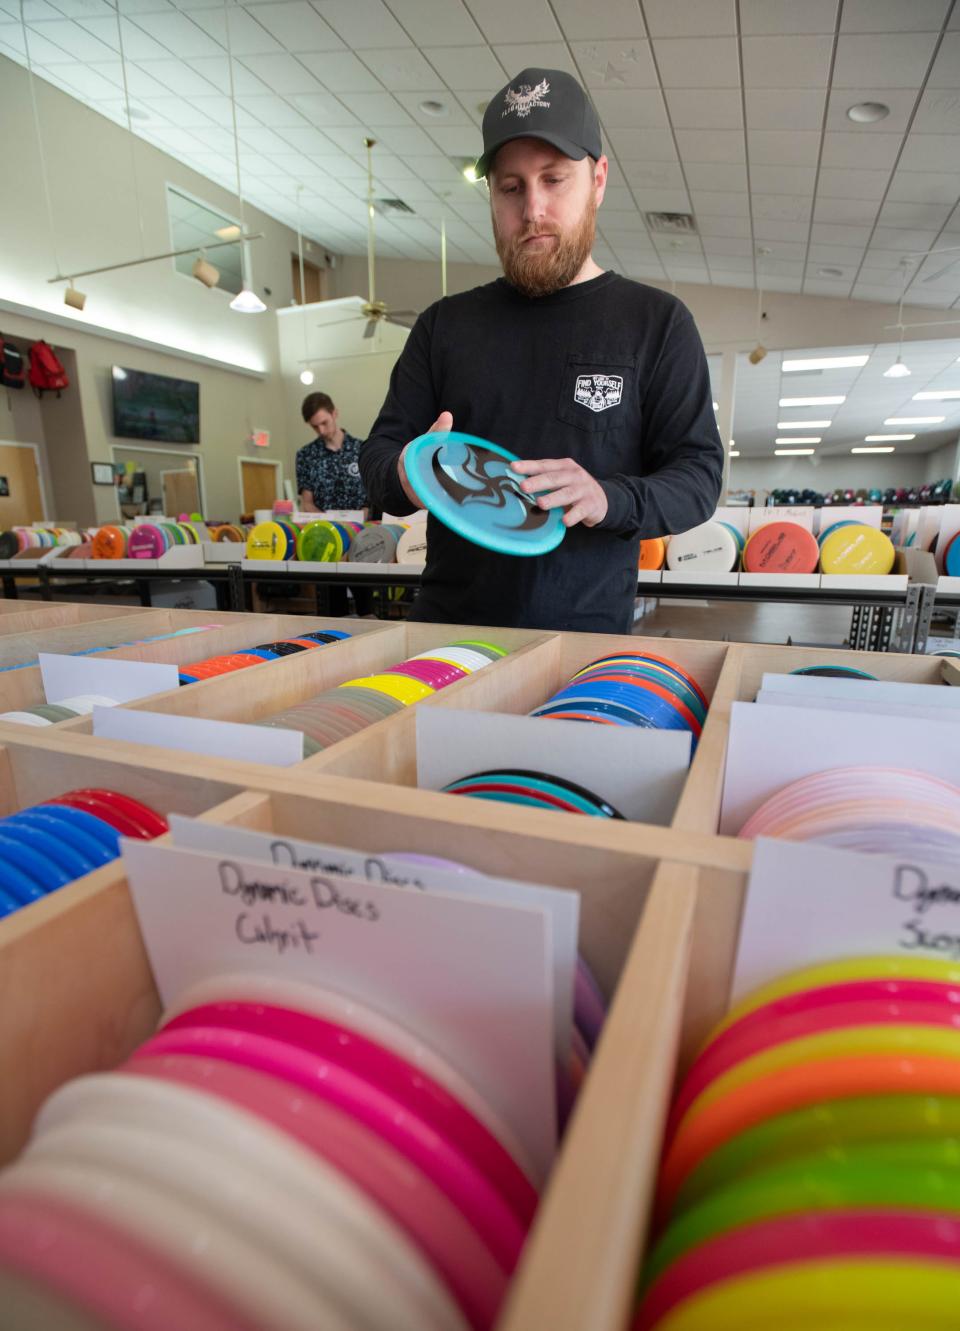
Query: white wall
[(828, 474)]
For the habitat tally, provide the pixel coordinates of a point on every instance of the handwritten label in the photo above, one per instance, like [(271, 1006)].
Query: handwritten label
[(808, 903), (471, 978)]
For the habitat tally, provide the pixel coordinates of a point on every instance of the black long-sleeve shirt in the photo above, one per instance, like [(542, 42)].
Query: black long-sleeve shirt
[(607, 372)]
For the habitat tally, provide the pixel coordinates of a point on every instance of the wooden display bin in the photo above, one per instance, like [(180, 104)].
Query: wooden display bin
[(23, 687), (27, 616)]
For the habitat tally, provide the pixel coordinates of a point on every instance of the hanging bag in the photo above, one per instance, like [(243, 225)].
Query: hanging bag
[(47, 375), (13, 372)]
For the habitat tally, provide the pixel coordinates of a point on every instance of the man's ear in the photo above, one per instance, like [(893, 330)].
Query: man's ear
[(600, 171)]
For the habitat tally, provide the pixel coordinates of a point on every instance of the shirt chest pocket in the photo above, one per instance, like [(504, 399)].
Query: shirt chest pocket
[(599, 393)]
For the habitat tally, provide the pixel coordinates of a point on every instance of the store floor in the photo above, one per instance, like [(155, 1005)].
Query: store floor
[(761, 622)]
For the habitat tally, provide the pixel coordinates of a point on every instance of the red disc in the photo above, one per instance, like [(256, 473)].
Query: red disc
[(781, 547), (154, 824), (107, 813)]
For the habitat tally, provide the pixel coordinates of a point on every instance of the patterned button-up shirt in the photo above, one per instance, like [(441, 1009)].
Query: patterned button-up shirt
[(332, 477)]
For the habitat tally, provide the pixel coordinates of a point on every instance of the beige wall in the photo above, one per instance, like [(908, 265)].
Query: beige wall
[(944, 464)]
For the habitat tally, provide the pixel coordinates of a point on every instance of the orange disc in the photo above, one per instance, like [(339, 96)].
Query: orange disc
[(781, 547), (110, 543), (652, 553)]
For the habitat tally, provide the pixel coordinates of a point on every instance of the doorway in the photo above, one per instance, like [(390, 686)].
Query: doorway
[(261, 483), (314, 281), (21, 489)]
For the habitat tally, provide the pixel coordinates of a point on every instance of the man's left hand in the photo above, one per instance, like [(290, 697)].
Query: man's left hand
[(567, 486)]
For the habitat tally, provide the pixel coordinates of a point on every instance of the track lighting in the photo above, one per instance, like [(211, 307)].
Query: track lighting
[(757, 354), (74, 298), (205, 272)]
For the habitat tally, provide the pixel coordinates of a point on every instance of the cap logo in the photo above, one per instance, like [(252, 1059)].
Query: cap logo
[(523, 99)]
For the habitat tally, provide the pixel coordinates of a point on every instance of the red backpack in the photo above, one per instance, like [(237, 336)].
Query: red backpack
[(47, 375)]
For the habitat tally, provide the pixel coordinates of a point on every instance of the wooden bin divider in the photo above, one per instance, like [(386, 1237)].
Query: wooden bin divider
[(29, 616)]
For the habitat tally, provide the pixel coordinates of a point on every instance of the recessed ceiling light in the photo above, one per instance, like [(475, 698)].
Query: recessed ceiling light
[(733, 443), (734, 452), (830, 272), (231, 232), (914, 420), (431, 107), (799, 439), (937, 395), (793, 452), (803, 425), (891, 449), (811, 401), (824, 363), (868, 113), (885, 438)]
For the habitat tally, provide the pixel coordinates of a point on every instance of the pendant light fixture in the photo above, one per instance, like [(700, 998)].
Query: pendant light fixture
[(247, 302), (898, 370), (306, 374)]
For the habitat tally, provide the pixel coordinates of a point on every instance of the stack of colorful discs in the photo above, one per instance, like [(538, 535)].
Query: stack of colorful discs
[(834, 671), (376, 544), (948, 560), (653, 551), (148, 541), (738, 536), (781, 547), (49, 845), (110, 542), (879, 810), (537, 790), (835, 526), (710, 548), (856, 549), (343, 711), (227, 531), (66, 709), (810, 1174), (251, 656), (271, 541), (322, 542), (631, 689)]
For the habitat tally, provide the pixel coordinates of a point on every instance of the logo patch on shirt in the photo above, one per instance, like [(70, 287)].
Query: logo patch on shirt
[(523, 99), (599, 392)]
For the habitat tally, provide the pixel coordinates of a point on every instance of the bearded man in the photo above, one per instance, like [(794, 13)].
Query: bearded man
[(599, 383)]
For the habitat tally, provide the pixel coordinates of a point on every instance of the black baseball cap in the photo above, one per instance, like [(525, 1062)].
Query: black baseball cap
[(546, 104)]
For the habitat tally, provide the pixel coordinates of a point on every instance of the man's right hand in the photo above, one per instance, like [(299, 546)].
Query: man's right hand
[(443, 422)]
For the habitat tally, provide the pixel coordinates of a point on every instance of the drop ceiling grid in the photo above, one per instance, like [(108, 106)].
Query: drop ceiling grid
[(336, 69)]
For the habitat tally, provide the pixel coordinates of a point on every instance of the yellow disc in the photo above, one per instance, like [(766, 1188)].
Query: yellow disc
[(267, 540), (859, 550), (401, 687)]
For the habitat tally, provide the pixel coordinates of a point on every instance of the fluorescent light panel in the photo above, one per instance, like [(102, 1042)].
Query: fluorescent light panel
[(803, 425), (793, 452), (914, 420), (937, 395), (812, 401), (824, 363), (885, 438), (889, 449), (798, 439), (734, 452)]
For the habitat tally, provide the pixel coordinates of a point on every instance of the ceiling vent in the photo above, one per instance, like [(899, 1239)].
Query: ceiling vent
[(393, 208), (672, 224)]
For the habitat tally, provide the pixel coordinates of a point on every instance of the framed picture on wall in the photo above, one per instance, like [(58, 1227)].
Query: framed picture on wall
[(102, 473)]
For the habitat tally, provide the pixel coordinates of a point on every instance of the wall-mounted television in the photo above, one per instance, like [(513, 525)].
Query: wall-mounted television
[(155, 406)]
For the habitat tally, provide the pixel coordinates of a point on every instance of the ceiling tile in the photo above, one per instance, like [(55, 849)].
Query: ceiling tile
[(889, 61), (766, 179), (929, 152), (454, 113), (283, 73), (829, 233), (77, 41), (297, 26), (893, 15), (322, 110), (720, 145), (939, 111), (709, 225), (717, 108), (793, 250), (436, 22), (778, 147), (247, 36), (456, 140), (718, 203), (716, 245), (834, 183), (725, 278), (694, 18), (901, 102), (692, 62), (888, 260), (946, 67), (776, 229), (653, 198), (767, 268), (216, 71), (47, 53), (925, 186), (724, 176), (306, 139), (821, 286), (776, 17), (341, 71), (630, 108), (362, 23), (619, 198), (903, 239), (786, 62), (172, 110), (626, 64), (861, 152), (84, 80), (403, 70), (179, 34), (178, 77), (535, 55), (375, 108), (616, 18), (263, 140), (407, 142), (897, 213), (650, 175), (137, 44), (781, 207), (467, 66), (514, 20), (653, 145), (849, 212), (785, 108)]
